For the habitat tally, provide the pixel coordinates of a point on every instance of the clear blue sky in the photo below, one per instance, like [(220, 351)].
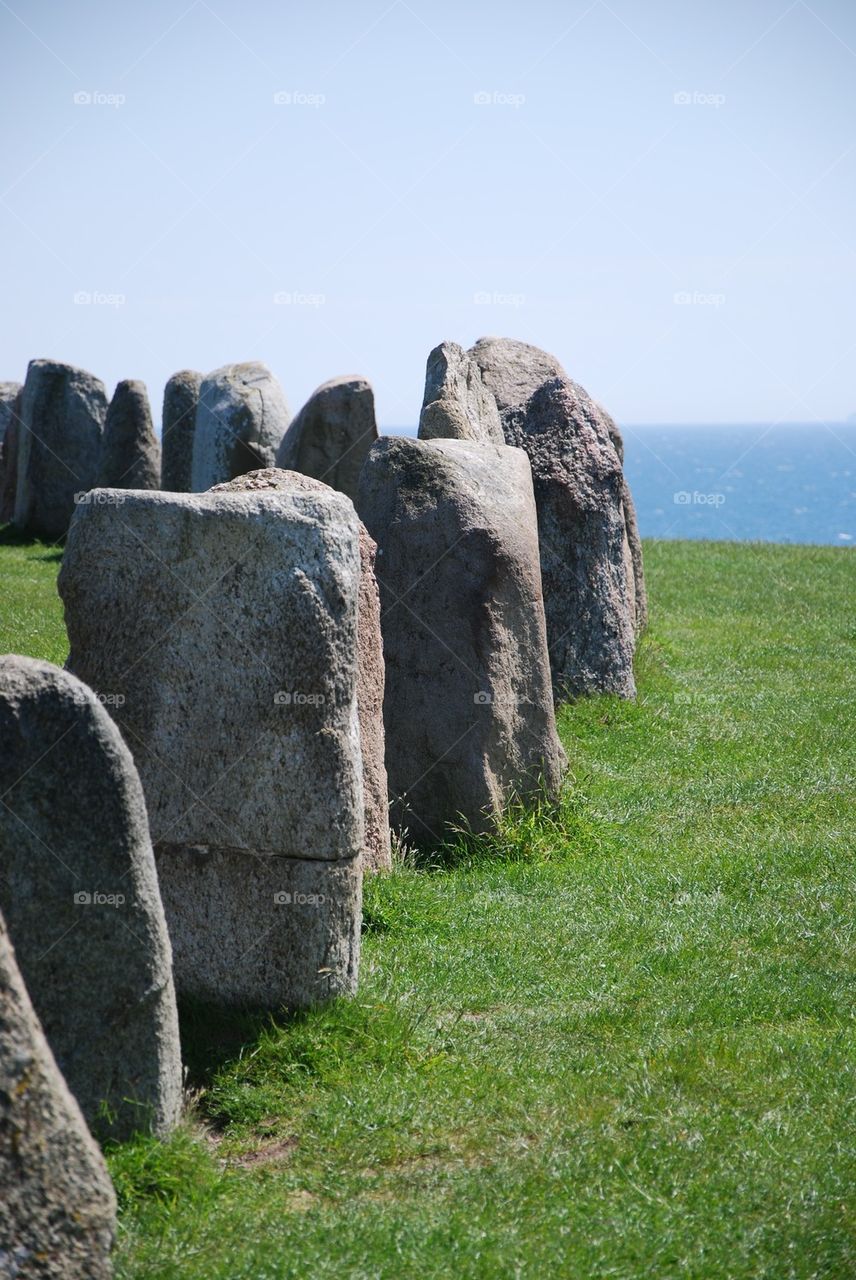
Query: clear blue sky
[(570, 209)]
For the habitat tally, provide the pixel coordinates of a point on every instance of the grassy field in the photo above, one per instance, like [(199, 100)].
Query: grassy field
[(616, 1041)]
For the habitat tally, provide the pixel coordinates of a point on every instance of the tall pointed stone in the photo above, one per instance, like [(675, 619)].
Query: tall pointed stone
[(130, 453), (468, 708), (79, 891), (331, 436), (59, 445), (11, 414), (241, 418), (180, 398), (457, 405)]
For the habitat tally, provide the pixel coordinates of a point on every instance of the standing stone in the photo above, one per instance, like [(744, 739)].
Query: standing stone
[(9, 392), (468, 706), (180, 398), (578, 488), (240, 420), (377, 853), (62, 417), (79, 892), (631, 525), (11, 416), (57, 1204), (514, 371), (227, 622), (130, 454), (332, 434), (457, 405)]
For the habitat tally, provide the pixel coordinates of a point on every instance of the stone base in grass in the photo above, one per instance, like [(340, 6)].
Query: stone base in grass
[(260, 930)]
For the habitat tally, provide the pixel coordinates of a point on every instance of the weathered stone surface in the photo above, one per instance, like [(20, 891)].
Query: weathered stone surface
[(468, 706), (180, 398), (578, 485), (228, 622), (9, 392), (57, 1205), (631, 525), (9, 454), (261, 931), (457, 405), (513, 370), (371, 683), (62, 417), (240, 420), (332, 434), (377, 854), (130, 453), (79, 891)]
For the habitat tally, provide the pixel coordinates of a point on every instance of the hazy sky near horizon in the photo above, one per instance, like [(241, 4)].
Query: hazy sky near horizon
[(662, 194)]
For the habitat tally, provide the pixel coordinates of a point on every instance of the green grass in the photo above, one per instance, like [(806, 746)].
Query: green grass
[(617, 1041)]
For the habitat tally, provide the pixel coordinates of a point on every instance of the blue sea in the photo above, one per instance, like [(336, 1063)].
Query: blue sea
[(783, 483)]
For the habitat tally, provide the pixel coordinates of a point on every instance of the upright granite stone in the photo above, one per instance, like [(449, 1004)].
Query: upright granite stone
[(9, 453), (332, 434), (514, 371), (377, 853), (9, 392), (180, 398), (631, 527), (578, 485), (457, 405), (57, 1204), (130, 453), (62, 418), (79, 892), (227, 622), (241, 418), (468, 707)]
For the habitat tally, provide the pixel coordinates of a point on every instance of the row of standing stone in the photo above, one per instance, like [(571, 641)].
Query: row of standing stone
[(267, 655)]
